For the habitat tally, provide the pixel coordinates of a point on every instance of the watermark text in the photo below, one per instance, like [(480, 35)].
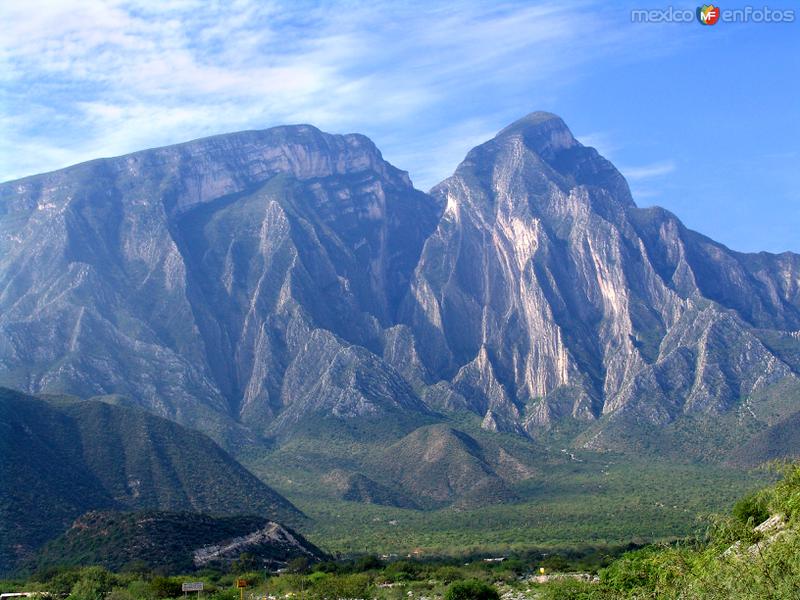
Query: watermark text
[(709, 14)]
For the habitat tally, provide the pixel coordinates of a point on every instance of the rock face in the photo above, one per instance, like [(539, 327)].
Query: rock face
[(545, 294), (279, 542), (217, 281), (173, 542), (248, 283)]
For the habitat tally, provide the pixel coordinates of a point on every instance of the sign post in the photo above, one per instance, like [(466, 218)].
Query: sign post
[(241, 584), (192, 586)]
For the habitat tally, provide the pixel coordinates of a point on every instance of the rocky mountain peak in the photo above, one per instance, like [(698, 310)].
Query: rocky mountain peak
[(230, 163), (265, 279), (543, 132), (531, 159)]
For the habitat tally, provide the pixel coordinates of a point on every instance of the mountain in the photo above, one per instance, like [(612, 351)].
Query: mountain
[(546, 294), (357, 487), (173, 542), (216, 282), (279, 285), (439, 464), (62, 458), (781, 441)]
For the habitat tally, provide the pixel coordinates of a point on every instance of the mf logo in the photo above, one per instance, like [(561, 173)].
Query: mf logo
[(708, 14)]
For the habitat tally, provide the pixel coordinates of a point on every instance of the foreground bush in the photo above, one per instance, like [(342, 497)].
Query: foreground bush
[(751, 509), (471, 589)]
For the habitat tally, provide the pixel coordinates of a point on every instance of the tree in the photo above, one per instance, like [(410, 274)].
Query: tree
[(751, 510), (164, 587), (94, 584), (297, 565), (342, 586), (245, 562)]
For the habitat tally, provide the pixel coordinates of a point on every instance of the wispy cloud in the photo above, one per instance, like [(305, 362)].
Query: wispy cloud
[(80, 79), (650, 171), (647, 181)]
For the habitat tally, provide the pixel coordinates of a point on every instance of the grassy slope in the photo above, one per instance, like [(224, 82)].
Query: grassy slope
[(61, 458)]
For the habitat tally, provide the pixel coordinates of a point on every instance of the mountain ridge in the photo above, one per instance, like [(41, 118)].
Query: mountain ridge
[(63, 457), (247, 283)]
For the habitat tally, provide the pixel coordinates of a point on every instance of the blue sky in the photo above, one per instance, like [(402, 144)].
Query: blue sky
[(702, 120)]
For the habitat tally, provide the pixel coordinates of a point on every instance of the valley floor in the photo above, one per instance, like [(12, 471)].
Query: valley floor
[(594, 502), (750, 553)]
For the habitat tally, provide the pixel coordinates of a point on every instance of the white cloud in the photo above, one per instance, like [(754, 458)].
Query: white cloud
[(645, 180), (650, 171), (80, 79)]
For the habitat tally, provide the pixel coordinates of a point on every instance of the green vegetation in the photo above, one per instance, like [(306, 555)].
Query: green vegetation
[(363, 577), (733, 560), (751, 509), (471, 589), (549, 498), (602, 500), (735, 557), (163, 542), (64, 457)]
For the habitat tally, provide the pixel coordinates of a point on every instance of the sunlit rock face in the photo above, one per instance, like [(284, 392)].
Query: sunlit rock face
[(256, 281)]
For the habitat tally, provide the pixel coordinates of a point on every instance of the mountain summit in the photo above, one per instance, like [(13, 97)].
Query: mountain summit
[(259, 283)]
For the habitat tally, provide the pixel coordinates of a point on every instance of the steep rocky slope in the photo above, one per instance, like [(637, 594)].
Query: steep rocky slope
[(255, 283), (215, 281), (545, 293)]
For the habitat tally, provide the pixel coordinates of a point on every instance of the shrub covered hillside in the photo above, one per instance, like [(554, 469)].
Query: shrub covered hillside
[(753, 553)]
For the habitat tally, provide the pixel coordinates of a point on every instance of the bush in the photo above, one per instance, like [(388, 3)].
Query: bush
[(514, 565), (368, 563), (786, 495), (556, 562), (140, 590), (62, 582), (317, 576), (448, 574), (285, 584), (471, 589), (328, 566), (164, 587), (654, 568), (94, 583), (297, 565), (121, 594), (341, 586), (229, 594), (751, 510), (402, 570), (572, 589)]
